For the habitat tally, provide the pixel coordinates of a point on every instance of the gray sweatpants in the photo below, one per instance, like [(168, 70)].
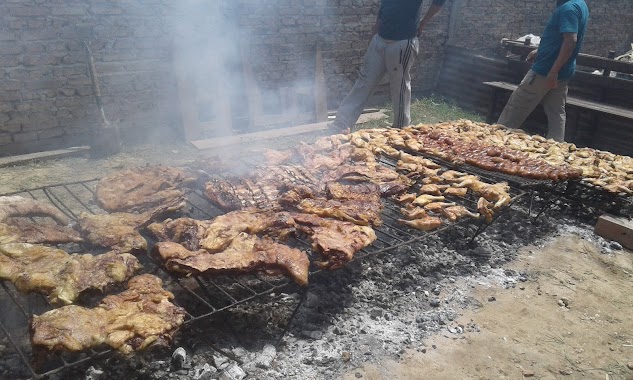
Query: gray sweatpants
[(532, 91), (383, 57)]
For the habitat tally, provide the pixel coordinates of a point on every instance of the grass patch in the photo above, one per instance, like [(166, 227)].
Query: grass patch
[(429, 110)]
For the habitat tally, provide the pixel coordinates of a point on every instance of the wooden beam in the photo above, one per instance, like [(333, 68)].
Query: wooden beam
[(320, 99), (60, 153), (616, 229), (275, 133)]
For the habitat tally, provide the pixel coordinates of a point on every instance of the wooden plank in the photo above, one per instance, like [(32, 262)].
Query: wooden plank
[(593, 61), (60, 153), (274, 133), (583, 103), (616, 229)]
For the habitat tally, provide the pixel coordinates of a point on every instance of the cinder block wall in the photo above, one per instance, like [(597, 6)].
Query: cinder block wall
[(46, 97)]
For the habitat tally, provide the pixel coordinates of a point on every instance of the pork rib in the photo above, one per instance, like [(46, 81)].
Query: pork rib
[(245, 254), (133, 320)]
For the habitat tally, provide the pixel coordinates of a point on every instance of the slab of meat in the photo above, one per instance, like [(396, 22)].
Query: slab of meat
[(336, 242), (133, 320), (355, 191), (16, 206), (60, 276), (245, 254), (259, 189), (389, 181), (117, 231), (217, 234), (143, 189), (22, 230)]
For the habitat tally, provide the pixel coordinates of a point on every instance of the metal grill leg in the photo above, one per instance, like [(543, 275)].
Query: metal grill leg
[(292, 317)]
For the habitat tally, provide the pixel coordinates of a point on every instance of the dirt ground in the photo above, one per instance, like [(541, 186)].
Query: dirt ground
[(571, 319)]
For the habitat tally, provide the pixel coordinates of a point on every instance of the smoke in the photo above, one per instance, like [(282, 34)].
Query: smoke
[(235, 67)]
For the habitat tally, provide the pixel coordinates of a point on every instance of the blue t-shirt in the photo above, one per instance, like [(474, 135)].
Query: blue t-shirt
[(400, 19), (569, 17)]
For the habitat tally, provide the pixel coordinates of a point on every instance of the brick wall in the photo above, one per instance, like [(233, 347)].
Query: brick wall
[(46, 97), (483, 23)]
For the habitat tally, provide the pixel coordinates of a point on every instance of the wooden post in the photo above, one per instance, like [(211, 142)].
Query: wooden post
[(320, 98)]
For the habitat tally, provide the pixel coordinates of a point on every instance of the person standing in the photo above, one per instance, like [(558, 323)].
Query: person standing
[(554, 64), (392, 51)]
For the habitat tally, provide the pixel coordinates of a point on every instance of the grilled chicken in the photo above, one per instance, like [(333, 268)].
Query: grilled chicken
[(438, 206), (456, 191), (407, 198), (485, 209), (413, 212), (140, 317), (425, 199), (62, 277), (428, 223), (433, 189), (455, 213), (497, 192)]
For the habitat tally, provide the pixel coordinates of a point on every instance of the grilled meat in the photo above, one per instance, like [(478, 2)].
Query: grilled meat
[(455, 213), (389, 181), (412, 212), (245, 254), (438, 206), (485, 209), (425, 199), (407, 198), (497, 192), (60, 276), (433, 189), (118, 231), (359, 191), (143, 189), (359, 211), (427, 223), (276, 157), (17, 206), (456, 191), (217, 234), (336, 242), (22, 230), (133, 320)]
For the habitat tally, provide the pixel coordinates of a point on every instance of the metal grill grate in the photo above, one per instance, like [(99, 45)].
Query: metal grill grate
[(201, 297)]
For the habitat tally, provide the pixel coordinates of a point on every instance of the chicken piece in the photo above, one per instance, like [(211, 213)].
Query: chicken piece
[(245, 254), (408, 158), (454, 176), (485, 209), (428, 223), (425, 199), (432, 179), (456, 191), (143, 189), (118, 231), (413, 212), (17, 206), (133, 320), (407, 198), (497, 192), (433, 189), (455, 213), (438, 206), (22, 230), (62, 277)]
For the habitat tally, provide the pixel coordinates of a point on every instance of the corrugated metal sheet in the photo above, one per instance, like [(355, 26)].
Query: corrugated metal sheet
[(464, 70)]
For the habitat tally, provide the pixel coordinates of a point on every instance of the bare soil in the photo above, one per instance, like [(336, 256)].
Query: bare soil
[(571, 319)]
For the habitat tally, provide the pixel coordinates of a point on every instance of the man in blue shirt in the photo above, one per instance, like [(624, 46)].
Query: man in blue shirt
[(392, 52), (554, 65)]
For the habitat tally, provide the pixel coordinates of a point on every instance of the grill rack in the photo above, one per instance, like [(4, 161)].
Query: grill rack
[(210, 296)]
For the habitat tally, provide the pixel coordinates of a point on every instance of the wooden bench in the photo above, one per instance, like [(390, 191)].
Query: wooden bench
[(590, 105)]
